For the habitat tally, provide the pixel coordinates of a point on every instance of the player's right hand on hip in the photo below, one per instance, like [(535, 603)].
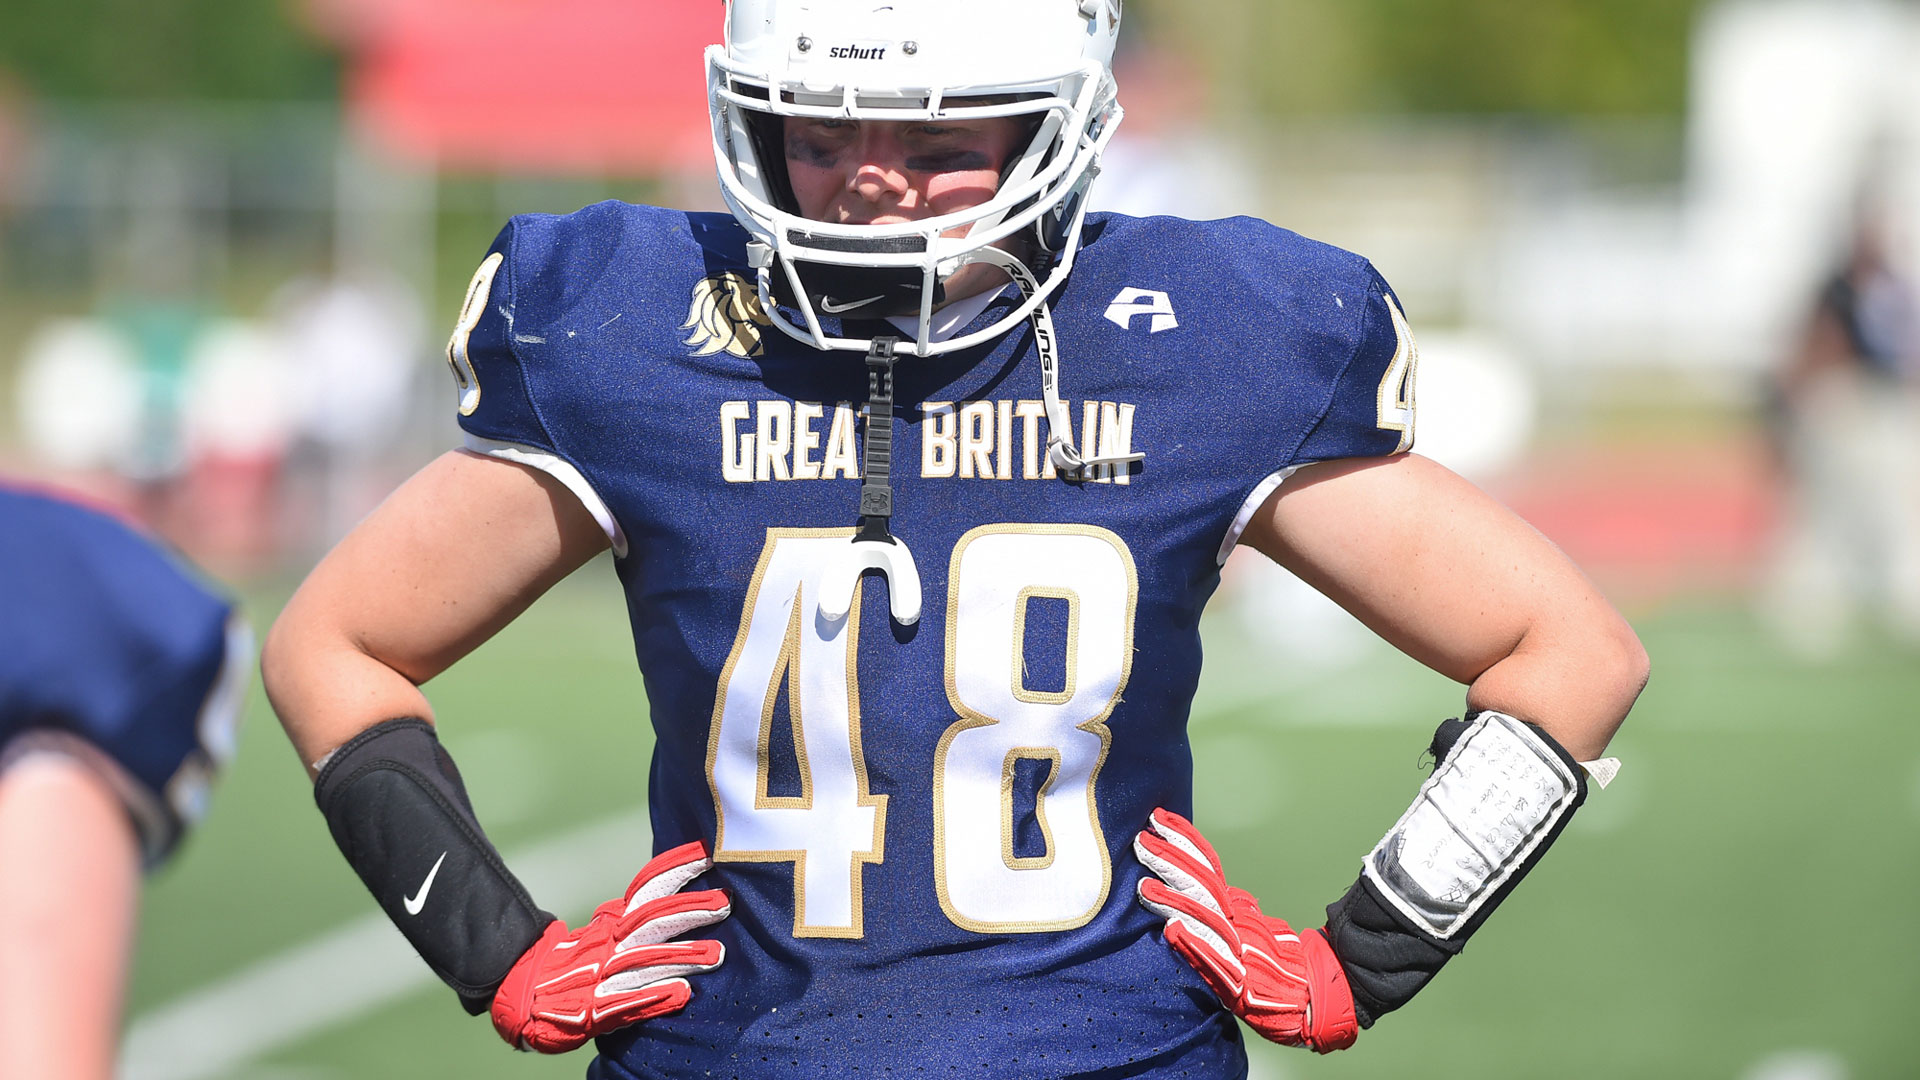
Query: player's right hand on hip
[(618, 969), (1289, 987)]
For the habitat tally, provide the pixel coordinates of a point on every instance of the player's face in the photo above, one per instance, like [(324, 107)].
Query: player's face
[(886, 172)]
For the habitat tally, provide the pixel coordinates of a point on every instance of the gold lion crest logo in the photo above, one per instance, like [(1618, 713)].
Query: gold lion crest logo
[(726, 314)]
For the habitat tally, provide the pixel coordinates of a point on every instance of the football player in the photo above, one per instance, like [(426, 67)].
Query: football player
[(121, 677), (917, 478)]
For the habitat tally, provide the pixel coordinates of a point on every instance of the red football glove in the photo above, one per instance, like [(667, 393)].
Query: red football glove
[(618, 969), (1288, 987)]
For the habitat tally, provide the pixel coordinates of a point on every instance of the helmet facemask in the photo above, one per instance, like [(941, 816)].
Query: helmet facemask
[(815, 269)]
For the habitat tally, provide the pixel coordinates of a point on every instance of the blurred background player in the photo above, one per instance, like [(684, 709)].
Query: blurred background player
[(120, 683), (1848, 435)]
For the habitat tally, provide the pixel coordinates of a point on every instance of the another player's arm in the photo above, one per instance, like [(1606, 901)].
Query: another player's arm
[(1457, 581), (1823, 347), (450, 558), (69, 898)]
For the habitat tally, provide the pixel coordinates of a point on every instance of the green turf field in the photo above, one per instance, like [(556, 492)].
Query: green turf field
[(1738, 904)]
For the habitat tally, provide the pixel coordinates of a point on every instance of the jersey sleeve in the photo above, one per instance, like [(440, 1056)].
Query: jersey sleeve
[(204, 697), (1328, 371), (114, 653), (493, 398), (1370, 404), (499, 410)]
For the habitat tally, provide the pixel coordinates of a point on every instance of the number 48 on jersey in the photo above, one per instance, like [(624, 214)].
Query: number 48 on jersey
[(835, 824)]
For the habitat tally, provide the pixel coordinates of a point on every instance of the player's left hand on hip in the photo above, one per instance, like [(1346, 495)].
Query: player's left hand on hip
[(1289, 987), (619, 968)]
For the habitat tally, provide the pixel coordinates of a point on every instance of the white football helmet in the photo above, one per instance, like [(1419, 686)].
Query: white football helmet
[(1045, 60)]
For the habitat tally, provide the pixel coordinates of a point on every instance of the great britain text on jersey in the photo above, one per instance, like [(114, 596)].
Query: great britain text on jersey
[(1003, 439)]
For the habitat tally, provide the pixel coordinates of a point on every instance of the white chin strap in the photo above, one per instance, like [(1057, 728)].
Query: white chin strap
[(1070, 462)]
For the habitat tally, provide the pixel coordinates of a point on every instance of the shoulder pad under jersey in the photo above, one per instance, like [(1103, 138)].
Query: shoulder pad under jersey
[(541, 327), (1311, 334)]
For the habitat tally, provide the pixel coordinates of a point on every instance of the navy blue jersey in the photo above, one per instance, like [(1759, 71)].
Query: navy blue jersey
[(111, 651), (926, 830)]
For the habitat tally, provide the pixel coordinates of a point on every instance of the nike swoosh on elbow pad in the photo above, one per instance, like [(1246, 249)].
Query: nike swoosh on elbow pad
[(418, 900)]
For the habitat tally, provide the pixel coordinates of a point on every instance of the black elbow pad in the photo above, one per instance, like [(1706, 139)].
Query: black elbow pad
[(395, 804)]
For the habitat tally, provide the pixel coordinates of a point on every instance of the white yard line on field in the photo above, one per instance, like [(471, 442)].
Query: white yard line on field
[(286, 997)]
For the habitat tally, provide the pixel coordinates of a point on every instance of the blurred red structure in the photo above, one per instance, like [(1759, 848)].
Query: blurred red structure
[(1655, 521), (554, 86)]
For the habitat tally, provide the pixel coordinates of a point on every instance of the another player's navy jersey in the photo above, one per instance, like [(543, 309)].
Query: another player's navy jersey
[(926, 829), (111, 651)]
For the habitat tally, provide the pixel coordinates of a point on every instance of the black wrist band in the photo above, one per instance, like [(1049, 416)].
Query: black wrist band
[(395, 804)]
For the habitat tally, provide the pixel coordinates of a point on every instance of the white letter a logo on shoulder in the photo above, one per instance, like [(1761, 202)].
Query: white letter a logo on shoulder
[(1133, 302)]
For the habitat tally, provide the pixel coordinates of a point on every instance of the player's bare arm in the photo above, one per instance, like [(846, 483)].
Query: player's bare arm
[(67, 913), (451, 557), (1460, 583), (446, 561), (1455, 580)]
